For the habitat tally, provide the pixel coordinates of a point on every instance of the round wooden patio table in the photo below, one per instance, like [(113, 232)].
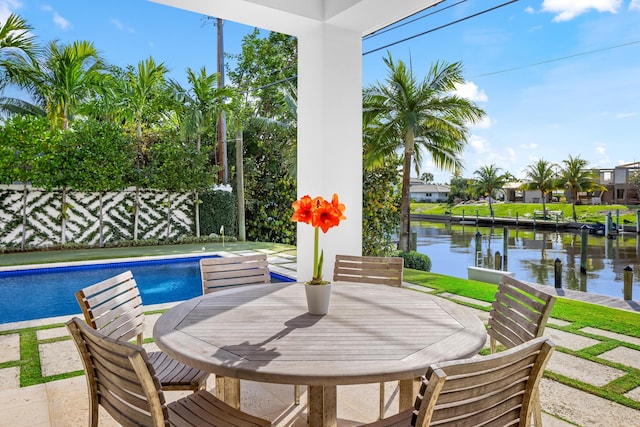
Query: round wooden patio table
[(372, 333)]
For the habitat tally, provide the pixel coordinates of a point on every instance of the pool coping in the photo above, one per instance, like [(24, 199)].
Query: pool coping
[(108, 261)]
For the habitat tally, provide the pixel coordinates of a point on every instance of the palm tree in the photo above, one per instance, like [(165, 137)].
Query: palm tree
[(16, 41), (138, 94), (62, 80), (198, 108), (489, 179), (576, 177), (541, 176), (419, 116), (199, 105)]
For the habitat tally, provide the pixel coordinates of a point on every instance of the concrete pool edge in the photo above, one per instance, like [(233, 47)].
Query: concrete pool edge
[(110, 261)]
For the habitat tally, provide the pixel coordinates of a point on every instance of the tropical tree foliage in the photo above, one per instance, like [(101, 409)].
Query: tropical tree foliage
[(265, 79), (63, 79), (576, 176), (541, 176), (489, 179), (426, 177), (104, 154), (419, 118), (16, 42), (380, 213), (22, 143)]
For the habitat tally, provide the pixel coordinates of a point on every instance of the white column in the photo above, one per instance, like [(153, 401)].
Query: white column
[(330, 138)]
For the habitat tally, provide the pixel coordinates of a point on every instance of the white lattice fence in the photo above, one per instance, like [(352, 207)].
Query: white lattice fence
[(44, 217)]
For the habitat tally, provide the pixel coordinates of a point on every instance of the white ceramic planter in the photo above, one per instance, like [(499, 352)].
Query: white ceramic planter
[(318, 297)]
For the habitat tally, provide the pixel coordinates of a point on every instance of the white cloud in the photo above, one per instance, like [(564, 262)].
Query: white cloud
[(566, 10), (7, 7), (60, 21), (532, 146), (478, 144), (470, 91), (485, 123), (529, 9), (626, 115), (634, 5), (121, 25)]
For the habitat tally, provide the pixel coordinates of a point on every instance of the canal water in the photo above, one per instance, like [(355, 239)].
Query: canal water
[(531, 255)]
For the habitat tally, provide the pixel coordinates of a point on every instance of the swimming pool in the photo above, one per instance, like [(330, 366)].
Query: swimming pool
[(49, 291)]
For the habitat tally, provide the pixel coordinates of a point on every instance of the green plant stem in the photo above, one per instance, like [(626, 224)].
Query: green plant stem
[(315, 253)]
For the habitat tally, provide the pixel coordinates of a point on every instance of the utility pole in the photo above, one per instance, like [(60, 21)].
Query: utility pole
[(223, 173)]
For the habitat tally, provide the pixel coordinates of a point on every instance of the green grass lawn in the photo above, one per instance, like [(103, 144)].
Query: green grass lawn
[(585, 213), (580, 314)]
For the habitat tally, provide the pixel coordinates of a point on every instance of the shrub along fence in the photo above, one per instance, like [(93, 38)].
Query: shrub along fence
[(32, 218)]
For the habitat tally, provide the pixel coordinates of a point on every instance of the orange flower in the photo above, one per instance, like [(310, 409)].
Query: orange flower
[(303, 210), (321, 214), (338, 206), (325, 215)]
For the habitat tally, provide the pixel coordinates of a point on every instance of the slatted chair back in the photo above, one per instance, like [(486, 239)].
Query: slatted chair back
[(368, 269), (120, 379), (114, 307), (493, 390), (224, 272), (519, 313)]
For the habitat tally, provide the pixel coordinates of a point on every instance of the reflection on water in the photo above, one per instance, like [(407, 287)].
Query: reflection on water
[(531, 255)]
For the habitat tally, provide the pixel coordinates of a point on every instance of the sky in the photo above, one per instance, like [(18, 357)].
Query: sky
[(555, 77)]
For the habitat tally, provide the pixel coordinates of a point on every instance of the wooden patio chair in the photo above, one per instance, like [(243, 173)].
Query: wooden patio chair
[(121, 378), (368, 269), (226, 272), (519, 314), (114, 308), (494, 390)]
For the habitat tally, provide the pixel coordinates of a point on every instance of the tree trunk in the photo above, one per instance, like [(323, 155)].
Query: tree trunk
[(242, 234), (490, 205), (574, 197), (405, 207)]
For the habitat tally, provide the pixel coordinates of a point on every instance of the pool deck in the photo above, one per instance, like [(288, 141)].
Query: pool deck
[(64, 402)]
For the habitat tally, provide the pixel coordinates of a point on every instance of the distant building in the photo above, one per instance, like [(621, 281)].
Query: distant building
[(429, 192), (513, 192), (619, 190)]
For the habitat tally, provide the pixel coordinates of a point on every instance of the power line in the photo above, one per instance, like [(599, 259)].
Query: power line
[(394, 27), (557, 59), (440, 27)]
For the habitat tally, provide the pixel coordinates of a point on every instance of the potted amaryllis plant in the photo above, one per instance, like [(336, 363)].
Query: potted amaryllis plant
[(321, 215)]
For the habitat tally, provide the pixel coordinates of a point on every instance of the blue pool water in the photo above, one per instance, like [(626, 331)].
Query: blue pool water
[(49, 292)]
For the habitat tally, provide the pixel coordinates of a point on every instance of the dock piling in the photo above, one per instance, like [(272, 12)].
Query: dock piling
[(557, 269), (628, 283), (584, 240)]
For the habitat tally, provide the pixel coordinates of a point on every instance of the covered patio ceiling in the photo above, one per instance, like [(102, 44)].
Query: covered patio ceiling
[(329, 36), (295, 16)]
